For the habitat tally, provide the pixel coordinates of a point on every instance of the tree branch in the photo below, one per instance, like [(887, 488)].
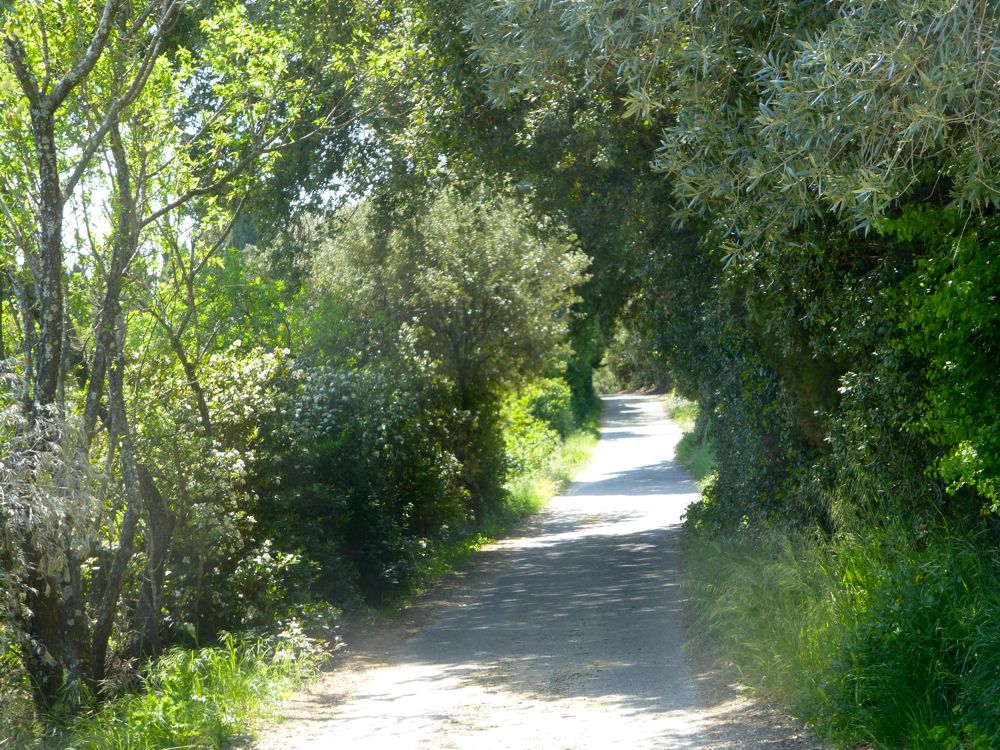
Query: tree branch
[(135, 88), (17, 58), (86, 63)]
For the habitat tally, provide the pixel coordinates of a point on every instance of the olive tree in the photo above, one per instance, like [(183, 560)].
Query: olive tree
[(474, 289), (774, 114)]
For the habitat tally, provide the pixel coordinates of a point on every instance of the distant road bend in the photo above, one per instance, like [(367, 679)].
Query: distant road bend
[(567, 635)]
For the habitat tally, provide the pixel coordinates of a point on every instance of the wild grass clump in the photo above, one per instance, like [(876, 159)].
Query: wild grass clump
[(873, 637), (694, 451), (683, 411), (192, 698), (696, 456)]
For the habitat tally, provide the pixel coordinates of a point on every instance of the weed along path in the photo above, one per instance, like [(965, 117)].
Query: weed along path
[(567, 635)]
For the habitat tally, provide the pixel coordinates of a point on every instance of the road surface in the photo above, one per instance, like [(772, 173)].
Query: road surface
[(567, 635)]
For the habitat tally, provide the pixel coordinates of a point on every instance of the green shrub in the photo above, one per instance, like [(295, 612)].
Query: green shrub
[(550, 401), (17, 712), (526, 424), (369, 486), (528, 493), (949, 311), (539, 463)]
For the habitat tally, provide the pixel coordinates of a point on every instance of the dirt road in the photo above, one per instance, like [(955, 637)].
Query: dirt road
[(568, 635)]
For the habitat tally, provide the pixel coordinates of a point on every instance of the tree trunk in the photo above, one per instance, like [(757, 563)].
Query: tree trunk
[(192, 379), (108, 608), (41, 649), (56, 649), (159, 534), (124, 246), (49, 282), (48, 651)]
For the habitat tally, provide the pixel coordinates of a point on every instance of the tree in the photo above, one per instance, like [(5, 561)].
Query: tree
[(473, 289), (112, 113)]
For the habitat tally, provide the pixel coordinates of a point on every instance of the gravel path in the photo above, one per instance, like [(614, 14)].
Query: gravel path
[(567, 635)]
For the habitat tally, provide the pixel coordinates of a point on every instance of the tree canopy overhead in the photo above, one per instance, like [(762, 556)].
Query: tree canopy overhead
[(278, 282), (798, 110)]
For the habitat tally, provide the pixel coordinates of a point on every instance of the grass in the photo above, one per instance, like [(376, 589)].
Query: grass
[(529, 493), (697, 456), (694, 450), (877, 638), (188, 699), (682, 411), (883, 635)]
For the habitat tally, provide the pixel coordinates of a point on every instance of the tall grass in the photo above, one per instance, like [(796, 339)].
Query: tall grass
[(682, 411), (874, 638), (886, 634), (694, 451)]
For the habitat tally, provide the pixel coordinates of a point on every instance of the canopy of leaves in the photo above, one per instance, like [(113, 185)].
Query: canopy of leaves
[(472, 287)]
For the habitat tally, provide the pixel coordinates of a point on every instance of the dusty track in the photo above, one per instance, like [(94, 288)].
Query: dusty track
[(567, 635)]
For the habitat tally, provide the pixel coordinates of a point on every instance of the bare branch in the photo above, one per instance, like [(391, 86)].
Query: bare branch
[(145, 13), (18, 60), (86, 63), (135, 88)]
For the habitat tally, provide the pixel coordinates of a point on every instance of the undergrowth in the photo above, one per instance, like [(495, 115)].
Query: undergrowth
[(201, 698), (526, 493), (17, 714), (544, 449), (694, 450), (885, 634), (871, 638), (189, 698)]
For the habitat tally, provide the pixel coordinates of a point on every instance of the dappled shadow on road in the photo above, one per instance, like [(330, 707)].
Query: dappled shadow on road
[(628, 411), (576, 611), (580, 610), (576, 599), (568, 635)]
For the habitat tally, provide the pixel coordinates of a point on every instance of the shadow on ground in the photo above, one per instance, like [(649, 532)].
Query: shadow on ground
[(568, 635)]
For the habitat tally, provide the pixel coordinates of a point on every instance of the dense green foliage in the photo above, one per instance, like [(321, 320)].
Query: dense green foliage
[(826, 293), (288, 293), (250, 376), (871, 638)]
